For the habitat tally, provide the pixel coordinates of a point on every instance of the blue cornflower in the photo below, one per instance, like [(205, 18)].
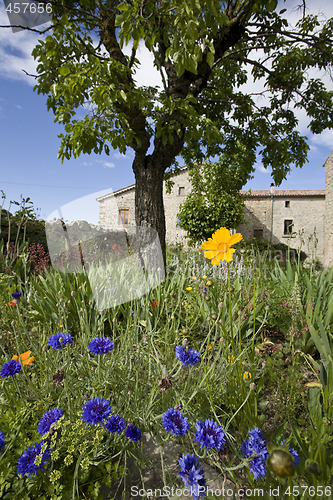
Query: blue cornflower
[(187, 357), (255, 447), (258, 468), (115, 424), (209, 434), (294, 453), (2, 440), (133, 433), (48, 419), (100, 345), (59, 340), (16, 295), (192, 475), (96, 410), (26, 462), (174, 422), (10, 368)]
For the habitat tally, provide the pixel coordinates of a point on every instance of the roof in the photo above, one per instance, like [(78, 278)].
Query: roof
[(284, 193)]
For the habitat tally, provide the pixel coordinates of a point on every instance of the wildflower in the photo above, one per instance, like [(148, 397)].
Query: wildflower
[(209, 434), (218, 246), (154, 303), (96, 410), (59, 340), (100, 345), (24, 358), (188, 357), (204, 277), (2, 440), (174, 422), (115, 424), (10, 368), (189, 288), (26, 462), (16, 295), (192, 475), (204, 290), (12, 303), (209, 347), (231, 359), (48, 418), (255, 447), (133, 433), (194, 277), (247, 375), (209, 283)]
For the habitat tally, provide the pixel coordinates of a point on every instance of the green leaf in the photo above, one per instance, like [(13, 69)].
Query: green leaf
[(210, 59), (64, 71)]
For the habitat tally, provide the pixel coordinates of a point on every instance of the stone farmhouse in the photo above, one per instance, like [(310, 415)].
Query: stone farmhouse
[(298, 218)]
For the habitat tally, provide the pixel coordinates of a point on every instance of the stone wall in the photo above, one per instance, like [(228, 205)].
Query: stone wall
[(310, 211), (329, 211)]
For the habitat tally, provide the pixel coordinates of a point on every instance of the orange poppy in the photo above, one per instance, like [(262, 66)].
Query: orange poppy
[(24, 358)]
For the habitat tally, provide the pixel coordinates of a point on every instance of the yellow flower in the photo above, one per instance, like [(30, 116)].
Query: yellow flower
[(247, 375), (204, 277), (209, 347), (209, 283), (189, 288), (218, 246), (231, 359), (194, 277), (24, 358)]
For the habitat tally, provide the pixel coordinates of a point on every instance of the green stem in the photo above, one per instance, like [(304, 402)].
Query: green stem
[(230, 311)]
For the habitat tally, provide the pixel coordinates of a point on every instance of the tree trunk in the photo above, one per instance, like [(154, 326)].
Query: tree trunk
[(149, 210)]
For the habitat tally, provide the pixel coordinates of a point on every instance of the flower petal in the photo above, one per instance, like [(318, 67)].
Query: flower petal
[(235, 238), (217, 258), (210, 254), (222, 235), (227, 256), (209, 245)]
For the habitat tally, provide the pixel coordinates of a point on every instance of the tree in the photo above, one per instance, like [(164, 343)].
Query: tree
[(214, 200), (206, 51)]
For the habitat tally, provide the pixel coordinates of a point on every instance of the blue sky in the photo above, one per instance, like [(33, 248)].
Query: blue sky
[(29, 143)]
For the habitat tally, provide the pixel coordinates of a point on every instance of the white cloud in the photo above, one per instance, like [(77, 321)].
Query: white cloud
[(263, 170), (324, 139), (108, 164)]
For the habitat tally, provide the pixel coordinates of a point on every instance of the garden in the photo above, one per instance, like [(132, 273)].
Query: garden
[(225, 366)]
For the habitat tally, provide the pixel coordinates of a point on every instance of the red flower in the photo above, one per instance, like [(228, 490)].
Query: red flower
[(154, 303)]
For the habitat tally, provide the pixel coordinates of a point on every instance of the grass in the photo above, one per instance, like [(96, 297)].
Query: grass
[(264, 334)]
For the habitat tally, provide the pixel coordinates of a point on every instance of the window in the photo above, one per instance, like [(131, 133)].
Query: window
[(287, 203), (181, 191), (123, 217), (288, 227), (258, 233), (177, 224)]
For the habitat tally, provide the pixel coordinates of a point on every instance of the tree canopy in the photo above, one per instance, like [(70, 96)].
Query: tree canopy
[(214, 200), (215, 58)]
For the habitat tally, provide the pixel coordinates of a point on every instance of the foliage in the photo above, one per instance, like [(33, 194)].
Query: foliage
[(206, 53), (221, 311), (214, 200)]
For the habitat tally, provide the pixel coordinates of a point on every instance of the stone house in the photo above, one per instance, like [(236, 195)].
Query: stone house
[(298, 218)]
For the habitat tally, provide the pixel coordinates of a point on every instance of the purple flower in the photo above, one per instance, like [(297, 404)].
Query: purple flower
[(209, 434), (16, 295), (2, 440), (255, 447), (192, 475), (100, 345), (96, 410), (174, 422), (133, 433), (258, 468), (115, 424), (26, 462), (59, 340), (187, 357), (48, 419), (10, 368)]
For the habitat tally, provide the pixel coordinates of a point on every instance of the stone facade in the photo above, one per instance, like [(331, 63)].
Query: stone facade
[(301, 218)]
